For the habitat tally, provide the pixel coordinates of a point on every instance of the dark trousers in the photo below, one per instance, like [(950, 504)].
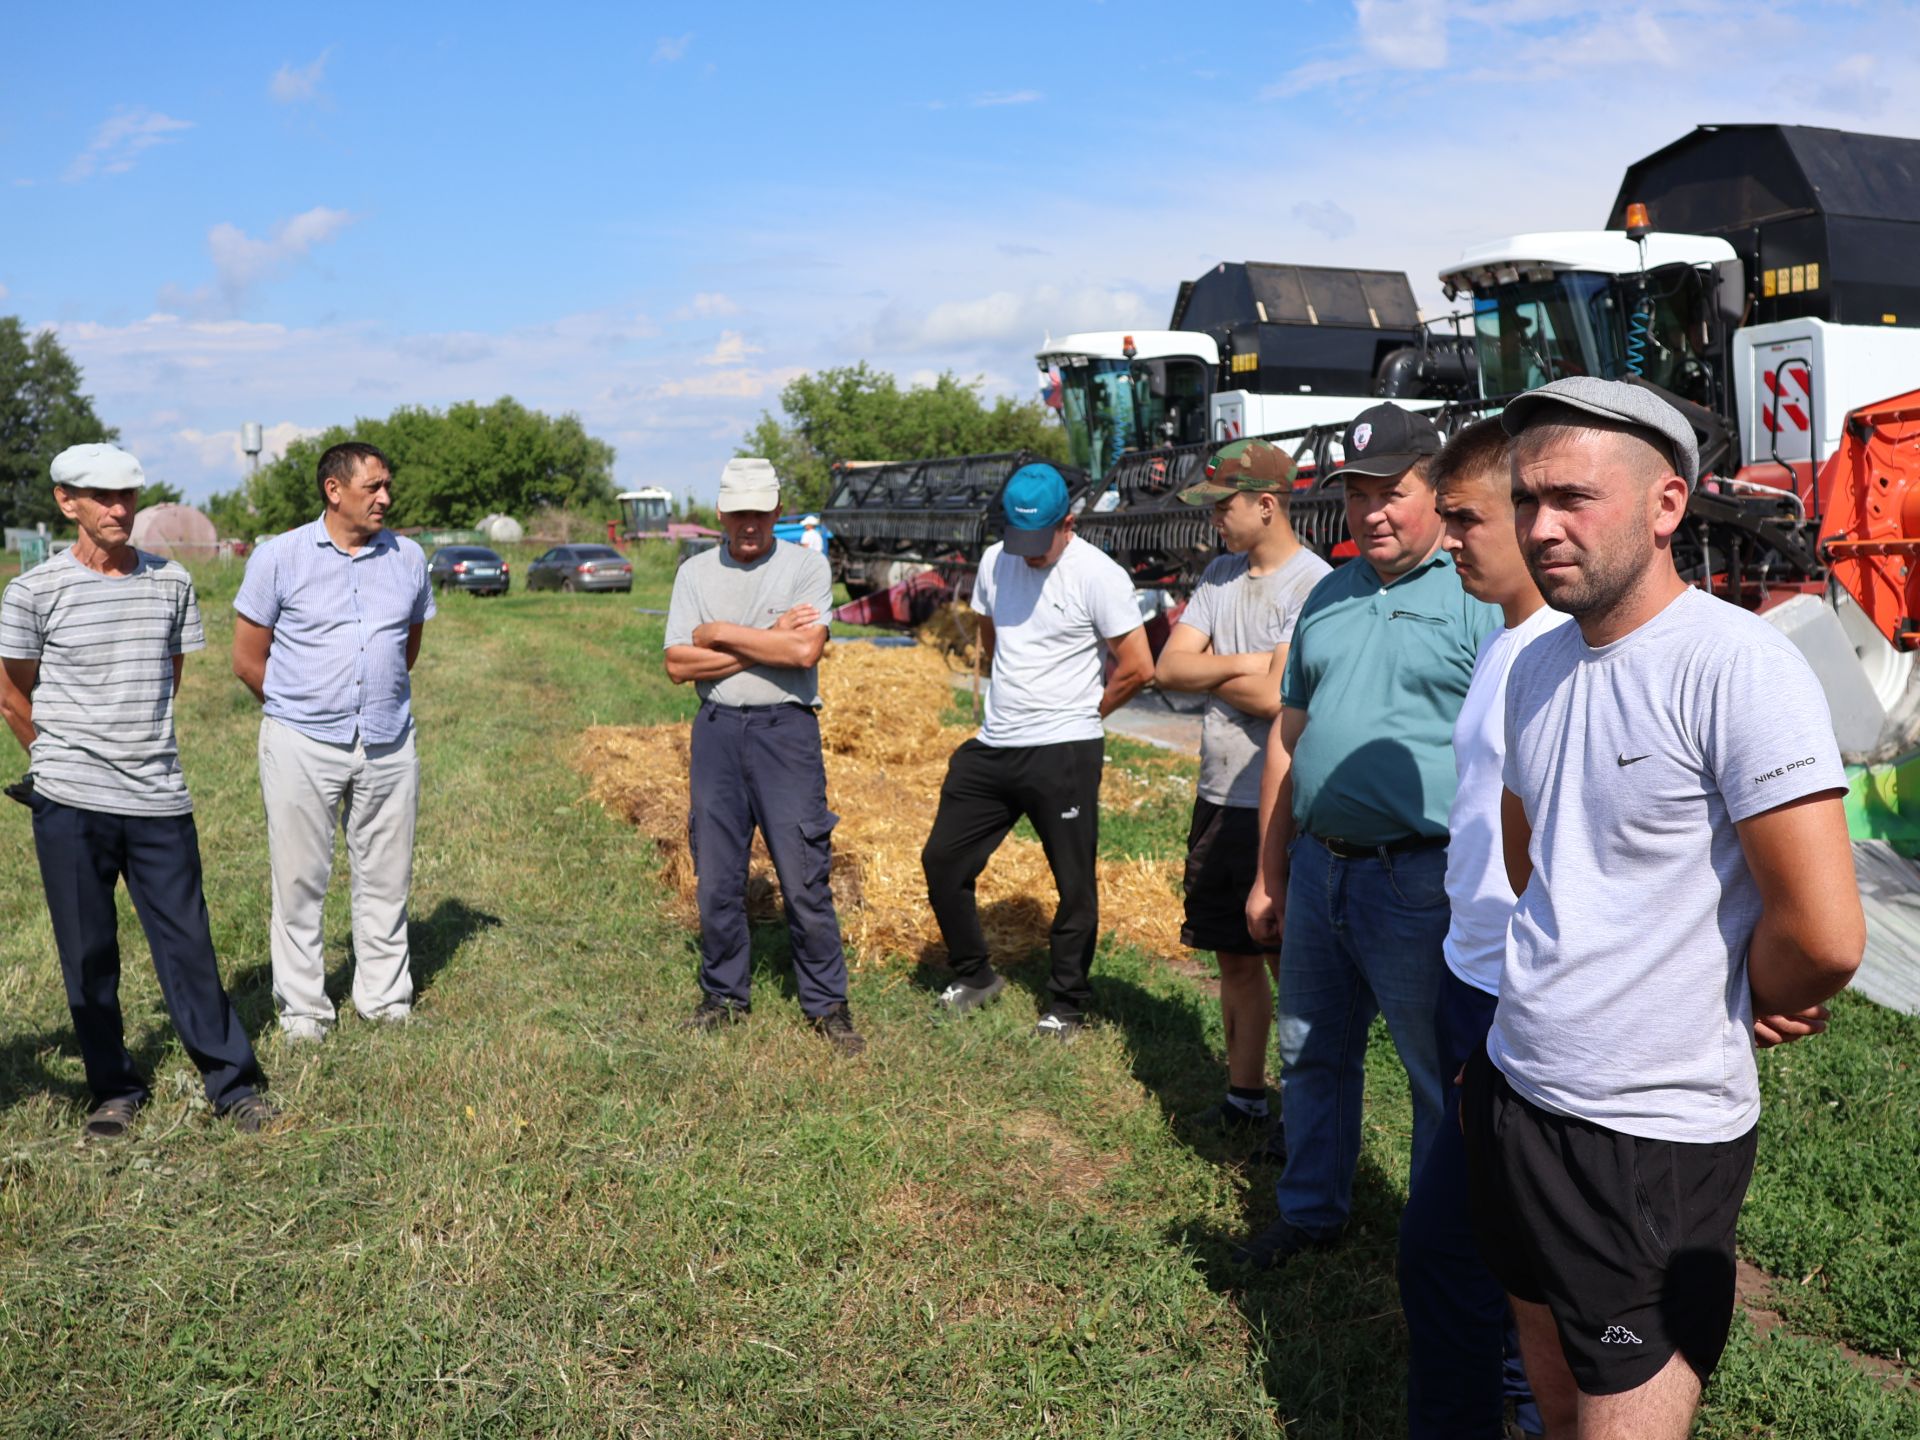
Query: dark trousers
[(82, 853), (761, 767), (987, 790), (1463, 1359)]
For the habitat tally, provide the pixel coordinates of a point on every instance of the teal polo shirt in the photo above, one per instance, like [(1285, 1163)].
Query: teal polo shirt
[(1381, 671)]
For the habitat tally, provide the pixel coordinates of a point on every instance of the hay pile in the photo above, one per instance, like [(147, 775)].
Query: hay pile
[(886, 754)]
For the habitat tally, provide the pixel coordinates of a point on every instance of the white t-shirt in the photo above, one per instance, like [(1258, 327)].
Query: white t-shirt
[(1624, 998), (1047, 628), (810, 540), (1477, 888)]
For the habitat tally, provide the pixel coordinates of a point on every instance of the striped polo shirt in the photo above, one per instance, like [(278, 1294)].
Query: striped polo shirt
[(103, 701)]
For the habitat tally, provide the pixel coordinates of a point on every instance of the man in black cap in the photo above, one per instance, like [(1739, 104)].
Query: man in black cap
[(1354, 858), (1673, 751)]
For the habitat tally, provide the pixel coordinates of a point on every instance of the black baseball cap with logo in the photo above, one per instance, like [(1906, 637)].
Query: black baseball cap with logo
[(1384, 440)]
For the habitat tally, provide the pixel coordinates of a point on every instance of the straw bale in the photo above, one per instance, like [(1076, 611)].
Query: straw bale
[(886, 755)]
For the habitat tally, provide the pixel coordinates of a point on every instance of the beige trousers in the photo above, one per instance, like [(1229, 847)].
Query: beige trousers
[(372, 792)]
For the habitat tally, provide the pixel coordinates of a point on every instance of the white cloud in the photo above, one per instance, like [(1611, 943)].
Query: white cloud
[(290, 85), (743, 384), (707, 303), (1326, 217), (1404, 34), (1009, 317), (731, 350), (669, 49), (218, 452), (241, 262), (3, 292), (1007, 97), (121, 139)]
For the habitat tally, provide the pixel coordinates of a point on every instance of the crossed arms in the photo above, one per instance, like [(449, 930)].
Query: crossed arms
[(720, 649)]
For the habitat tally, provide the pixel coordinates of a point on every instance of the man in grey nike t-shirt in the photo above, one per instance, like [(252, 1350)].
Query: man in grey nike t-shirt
[(1674, 830)]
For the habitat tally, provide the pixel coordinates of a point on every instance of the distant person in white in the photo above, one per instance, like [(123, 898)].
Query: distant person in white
[(326, 628), (810, 537), (1673, 826), (1049, 605)]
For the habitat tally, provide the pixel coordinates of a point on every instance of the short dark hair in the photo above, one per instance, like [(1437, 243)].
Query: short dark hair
[(339, 462), (1482, 447)]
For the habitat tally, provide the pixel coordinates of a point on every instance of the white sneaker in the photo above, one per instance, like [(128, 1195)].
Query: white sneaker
[(302, 1030), (1056, 1027), (392, 1015)]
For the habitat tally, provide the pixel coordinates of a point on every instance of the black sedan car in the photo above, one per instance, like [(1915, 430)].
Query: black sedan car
[(581, 567), (468, 567)]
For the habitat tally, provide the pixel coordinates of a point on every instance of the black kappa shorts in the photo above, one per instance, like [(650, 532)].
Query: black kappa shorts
[(1223, 857), (1628, 1241)]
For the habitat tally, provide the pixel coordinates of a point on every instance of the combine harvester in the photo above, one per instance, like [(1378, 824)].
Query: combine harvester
[(1253, 348)]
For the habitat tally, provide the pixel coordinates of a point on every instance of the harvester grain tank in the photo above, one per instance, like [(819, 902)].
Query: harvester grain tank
[(1767, 278)]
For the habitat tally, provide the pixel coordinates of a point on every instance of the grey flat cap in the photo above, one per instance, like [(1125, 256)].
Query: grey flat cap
[(1615, 400)]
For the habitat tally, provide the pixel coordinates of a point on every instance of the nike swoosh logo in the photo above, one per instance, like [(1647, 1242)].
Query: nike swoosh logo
[(1626, 759)]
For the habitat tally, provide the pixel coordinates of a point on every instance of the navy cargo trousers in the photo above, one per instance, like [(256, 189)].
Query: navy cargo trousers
[(759, 767), (82, 854)]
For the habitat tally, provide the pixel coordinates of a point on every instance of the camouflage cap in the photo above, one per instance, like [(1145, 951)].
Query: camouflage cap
[(1254, 467)]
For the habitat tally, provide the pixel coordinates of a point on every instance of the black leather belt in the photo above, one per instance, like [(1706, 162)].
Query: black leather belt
[(1348, 850)]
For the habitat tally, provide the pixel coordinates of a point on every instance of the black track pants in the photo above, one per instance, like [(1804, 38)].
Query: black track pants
[(988, 789)]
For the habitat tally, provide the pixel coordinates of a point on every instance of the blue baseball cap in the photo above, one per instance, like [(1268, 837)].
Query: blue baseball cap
[(1036, 502)]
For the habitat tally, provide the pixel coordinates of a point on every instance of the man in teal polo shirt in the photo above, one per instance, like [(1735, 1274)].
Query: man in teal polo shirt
[(1354, 833)]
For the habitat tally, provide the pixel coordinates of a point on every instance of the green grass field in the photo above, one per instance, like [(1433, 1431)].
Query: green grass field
[(547, 1211)]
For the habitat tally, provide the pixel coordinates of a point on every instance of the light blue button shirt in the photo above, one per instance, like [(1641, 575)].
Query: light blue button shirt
[(338, 665)]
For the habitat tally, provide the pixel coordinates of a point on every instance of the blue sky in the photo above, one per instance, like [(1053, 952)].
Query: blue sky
[(653, 216)]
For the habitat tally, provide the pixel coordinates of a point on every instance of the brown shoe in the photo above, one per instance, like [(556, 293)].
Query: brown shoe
[(111, 1119)]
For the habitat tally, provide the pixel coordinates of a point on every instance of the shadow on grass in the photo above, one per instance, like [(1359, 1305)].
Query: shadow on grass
[(432, 942), (25, 1072)]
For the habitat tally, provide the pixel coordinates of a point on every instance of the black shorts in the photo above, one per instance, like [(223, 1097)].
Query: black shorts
[(1629, 1242), (1223, 857)]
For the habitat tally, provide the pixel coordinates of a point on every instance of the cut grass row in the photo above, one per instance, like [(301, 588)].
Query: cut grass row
[(550, 1212)]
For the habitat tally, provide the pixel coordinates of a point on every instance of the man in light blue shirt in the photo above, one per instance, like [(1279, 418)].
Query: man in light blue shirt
[(326, 628)]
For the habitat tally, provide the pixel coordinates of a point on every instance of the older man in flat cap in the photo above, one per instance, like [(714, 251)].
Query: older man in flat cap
[(746, 625), (91, 647)]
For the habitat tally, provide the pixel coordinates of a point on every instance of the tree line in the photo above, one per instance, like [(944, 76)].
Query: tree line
[(469, 460)]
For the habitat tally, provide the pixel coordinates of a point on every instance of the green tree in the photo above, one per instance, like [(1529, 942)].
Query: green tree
[(450, 467), (159, 492), (857, 413), (42, 412)]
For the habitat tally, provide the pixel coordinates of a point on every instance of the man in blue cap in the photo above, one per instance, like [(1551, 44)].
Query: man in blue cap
[(1047, 601)]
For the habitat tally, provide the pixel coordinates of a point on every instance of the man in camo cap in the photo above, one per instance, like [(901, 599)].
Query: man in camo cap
[(1231, 645)]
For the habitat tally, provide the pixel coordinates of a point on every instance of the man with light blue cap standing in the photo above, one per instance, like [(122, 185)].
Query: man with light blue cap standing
[(1048, 601)]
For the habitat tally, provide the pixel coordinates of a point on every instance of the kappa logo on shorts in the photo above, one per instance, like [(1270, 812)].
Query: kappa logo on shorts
[(1620, 1335), (1073, 814)]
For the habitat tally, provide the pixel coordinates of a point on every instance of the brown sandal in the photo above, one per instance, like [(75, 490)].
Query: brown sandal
[(110, 1119)]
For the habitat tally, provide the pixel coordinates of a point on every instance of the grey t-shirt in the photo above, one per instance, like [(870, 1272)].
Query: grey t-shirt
[(1623, 998), (1244, 614), (715, 586), (103, 701)]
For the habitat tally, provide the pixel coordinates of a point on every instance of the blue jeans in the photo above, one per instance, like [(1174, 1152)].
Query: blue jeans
[(1363, 938), (1463, 1358)]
